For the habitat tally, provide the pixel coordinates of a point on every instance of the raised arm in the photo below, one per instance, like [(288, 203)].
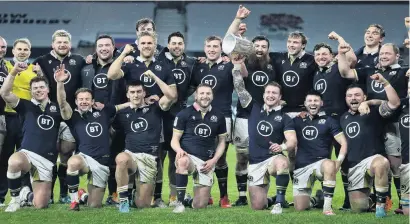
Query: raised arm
[(241, 14), (115, 72), (244, 96), (343, 64), (393, 100), (5, 90), (65, 108), (350, 55), (170, 92)]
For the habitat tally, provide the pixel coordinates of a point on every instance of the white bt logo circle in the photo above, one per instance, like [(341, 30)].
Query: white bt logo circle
[(377, 87), (264, 128), (139, 125), (179, 75), (68, 78), (321, 86), (310, 132), (202, 130), (210, 80), (100, 81), (148, 82), (404, 121), (290, 78), (45, 122), (260, 78), (352, 129), (94, 129)]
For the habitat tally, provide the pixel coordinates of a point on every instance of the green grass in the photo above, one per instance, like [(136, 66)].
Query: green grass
[(58, 213)]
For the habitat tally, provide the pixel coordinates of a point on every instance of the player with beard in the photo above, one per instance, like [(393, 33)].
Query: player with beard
[(269, 128), (38, 152), (315, 133), (181, 66), (61, 54), (396, 76), (105, 91), (3, 156), (194, 138), (365, 142)]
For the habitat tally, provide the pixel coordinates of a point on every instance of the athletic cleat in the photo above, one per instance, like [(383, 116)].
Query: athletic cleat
[(23, 196), (187, 200), (329, 212), (112, 199), (159, 203), (179, 208), (210, 201), (380, 212), (2, 204), (241, 202), (320, 199), (124, 207), (398, 211), (14, 205), (82, 196), (74, 206), (64, 199), (277, 209), (224, 202), (173, 201), (389, 204)]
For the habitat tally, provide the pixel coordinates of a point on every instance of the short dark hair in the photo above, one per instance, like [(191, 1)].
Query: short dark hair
[(176, 34), (213, 37), (204, 85), (314, 93), (145, 21), (378, 26), (136, 83), (298, 34), (105, 36), (38, 79), (355, 85), (260, 38), (83, 90), (275, 84), (322, 45)]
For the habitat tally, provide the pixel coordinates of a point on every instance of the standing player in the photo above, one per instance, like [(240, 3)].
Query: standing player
[(38, 152), (271, 131), (196, 129), (396, 76), (182, 67), (365, 140), (61, 54), (105, 91), (218, 75), (367, 56), (4, 156), (315, 134), (142, 126), (91, 129)]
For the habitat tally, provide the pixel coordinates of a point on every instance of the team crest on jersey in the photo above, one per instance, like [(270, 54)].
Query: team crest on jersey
[(158, 67), (375, 60), (221, 67), (322, 121), (283, 62), (72, 62), (96, 114), (329, 70), (127, 115), (214, 119), (193, 118), (303, 65), (201, 70), (346, 116), (53, 109), (278, 118), (183, 64), (269, 67), (49, 61), (359, 61), (392, 72), (145, 110)]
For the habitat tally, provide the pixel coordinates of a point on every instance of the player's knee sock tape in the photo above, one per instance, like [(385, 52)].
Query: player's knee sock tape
[(282, 181), (381, 194), (123, 193), (73, 181), (241, 180), (182, 182), (14, 181), (405, 202), (222, 175), (62, 174), (328, 190)]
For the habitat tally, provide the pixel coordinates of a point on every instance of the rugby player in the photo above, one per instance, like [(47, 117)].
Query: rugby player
[(4, 156), (38, 152), (315, 133), (196, 129)]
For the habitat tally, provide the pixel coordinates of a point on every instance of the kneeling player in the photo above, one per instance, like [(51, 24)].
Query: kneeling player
[(38, 152), (142, 126), (268, 129), (195, 131), (91, 127), (365, 141), (315, 133)]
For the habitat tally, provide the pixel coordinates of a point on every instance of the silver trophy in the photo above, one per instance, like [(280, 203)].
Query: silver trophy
[(233, 44)]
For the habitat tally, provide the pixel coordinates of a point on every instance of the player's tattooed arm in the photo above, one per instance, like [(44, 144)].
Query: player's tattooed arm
[(65, 108), (243, 95)]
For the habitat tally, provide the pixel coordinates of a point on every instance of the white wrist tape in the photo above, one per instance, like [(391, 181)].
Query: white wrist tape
[(284, 147), (340, 158)]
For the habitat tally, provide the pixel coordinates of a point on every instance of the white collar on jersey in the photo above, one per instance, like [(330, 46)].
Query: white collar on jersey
[(217, 61), (170, 57), (327, 67), (277, 108), (140, 59), (197, 107), (35, 102), (371, 53), (53, 53), (300, 55), (141, 106)]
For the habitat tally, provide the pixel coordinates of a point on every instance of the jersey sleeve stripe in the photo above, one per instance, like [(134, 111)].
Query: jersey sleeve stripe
[(178, 131)]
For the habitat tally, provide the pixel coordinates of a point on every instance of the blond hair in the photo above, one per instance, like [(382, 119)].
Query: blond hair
[(22, 40), (61, 33), (153, 35)]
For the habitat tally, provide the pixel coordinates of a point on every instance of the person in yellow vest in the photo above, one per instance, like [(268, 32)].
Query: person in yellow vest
[(21, 88)]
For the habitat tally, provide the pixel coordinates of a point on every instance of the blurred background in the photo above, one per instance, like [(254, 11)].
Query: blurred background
[(86, 20)]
